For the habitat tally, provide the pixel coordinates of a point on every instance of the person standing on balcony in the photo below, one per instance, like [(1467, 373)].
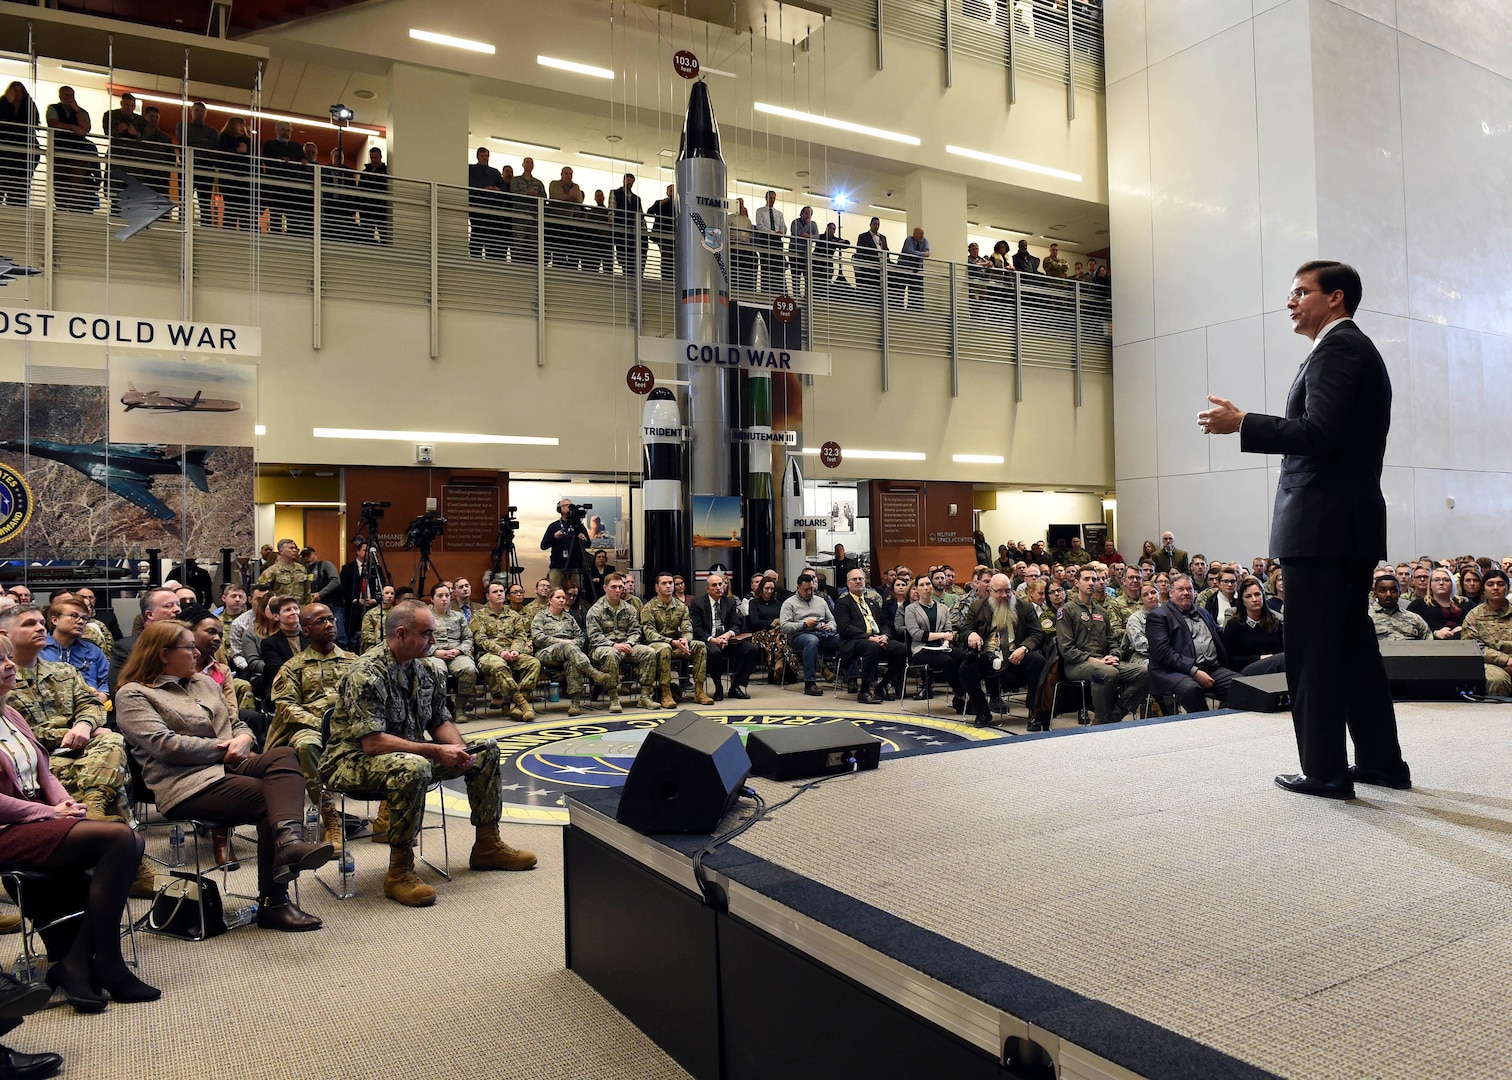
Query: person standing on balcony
[(770, 228), (1055, 266), (1023, 261)]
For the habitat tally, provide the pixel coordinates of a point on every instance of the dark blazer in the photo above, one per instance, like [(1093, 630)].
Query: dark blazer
[(1173, 653), (1338, 412), (848, 619), (701, 614), (870, 247), (119, 654), (1027, 627), (351, 582), (277, 650), (1175, 563)]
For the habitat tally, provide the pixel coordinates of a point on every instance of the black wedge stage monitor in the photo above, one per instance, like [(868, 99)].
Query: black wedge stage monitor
[(796, 753), (686, 777)]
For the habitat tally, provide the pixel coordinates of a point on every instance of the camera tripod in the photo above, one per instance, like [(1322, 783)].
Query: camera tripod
[(579, 563), (506, 566), (418, 581), (375, 571)]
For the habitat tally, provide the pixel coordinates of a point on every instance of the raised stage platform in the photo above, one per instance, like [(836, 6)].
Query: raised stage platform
[(1137, 900)]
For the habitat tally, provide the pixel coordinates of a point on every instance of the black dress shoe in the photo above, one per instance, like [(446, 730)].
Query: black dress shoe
[(998, 705), (850, 686), (958, 703), (1399, 777), (29, 1066), (890, 692), (19, 998), (866, 697), (983, 718), (82, 997), (281, 914), (718, 692), (922, 695), (812, 689), (1340, 788), (740, 692)]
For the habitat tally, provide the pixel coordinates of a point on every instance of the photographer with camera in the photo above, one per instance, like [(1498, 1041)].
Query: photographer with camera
[(563, 538)]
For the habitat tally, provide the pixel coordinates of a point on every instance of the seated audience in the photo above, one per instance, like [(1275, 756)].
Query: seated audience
[(196, 756), (717, 622), (558, 641), (809, 625), (1489, 624), (1086, 644), (931, 642), (1440, 610), (1472, 587), (156, 605), (1136, 642), (1253, 636), (1188, 657), (1221, 604), (372, 620), (286, 639), (1000, 642), (68, 617), (501, 642), (865, 642), (1393, 622), (764, 620), (667, 627), (391, 734), (95, 862), (452, 649), (614, 635)]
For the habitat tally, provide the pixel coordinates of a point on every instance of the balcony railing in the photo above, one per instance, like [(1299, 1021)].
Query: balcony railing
[(332, 234)]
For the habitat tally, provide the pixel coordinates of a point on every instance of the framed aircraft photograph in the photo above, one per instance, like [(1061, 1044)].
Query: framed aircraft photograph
[(193, 402)]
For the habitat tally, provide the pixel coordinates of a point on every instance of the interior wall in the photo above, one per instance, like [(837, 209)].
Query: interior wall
[(1023, 515), (1311, 129)]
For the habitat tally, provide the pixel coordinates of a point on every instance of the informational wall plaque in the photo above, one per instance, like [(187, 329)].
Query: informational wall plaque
[(899, 521), (472, 517)]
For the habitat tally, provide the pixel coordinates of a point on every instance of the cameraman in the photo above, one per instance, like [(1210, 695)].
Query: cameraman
[(558, 539)]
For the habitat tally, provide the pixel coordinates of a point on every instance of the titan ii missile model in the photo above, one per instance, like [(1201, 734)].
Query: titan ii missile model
[(703, 300), (662, 486), (760, 529)]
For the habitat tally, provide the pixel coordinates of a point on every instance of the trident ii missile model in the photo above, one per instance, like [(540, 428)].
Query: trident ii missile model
[(760, 527), (662, 485), (703, 300)]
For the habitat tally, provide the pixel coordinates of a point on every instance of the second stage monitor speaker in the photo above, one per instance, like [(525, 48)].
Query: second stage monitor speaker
[(685, 778)]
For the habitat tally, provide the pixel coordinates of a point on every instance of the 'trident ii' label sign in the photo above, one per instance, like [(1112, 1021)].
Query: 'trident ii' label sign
[(128, 332), (732, 357)]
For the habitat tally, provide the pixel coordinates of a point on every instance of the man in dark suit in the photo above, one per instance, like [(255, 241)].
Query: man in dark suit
[(625, 211), (864, 638), (1168, 558), (1329, 531), (717, 622), (1187, 654), (870, 254), (999, 642), (156, 604), (360, 592)]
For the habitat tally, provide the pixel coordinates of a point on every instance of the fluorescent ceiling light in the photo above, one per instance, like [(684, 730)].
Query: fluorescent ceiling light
[(765, 187), (431, 436), (889, 209), (1056, 239), (82, 71), (541, 147), (1012, 163), (871, 455), (336, 504), (816, 195), (606, 157), (233, 110), (716, 71), (575, 67), (839, 125), (454, 42), (975, 224), (977, 459), (1025, 233), (259, 429)]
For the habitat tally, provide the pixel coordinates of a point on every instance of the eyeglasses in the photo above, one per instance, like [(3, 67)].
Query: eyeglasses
[(1298, 294), (170, 648), (322, 619)]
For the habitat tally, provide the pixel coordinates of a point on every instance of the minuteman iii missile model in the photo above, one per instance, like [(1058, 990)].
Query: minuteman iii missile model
[(703, 304)]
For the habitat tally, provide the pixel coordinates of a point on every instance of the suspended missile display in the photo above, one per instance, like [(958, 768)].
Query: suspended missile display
[(793, 560), (760, 527), (665, 546), (702, 282)]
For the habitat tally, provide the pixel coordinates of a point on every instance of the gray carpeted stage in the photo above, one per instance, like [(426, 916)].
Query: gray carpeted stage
[(1154, 868)]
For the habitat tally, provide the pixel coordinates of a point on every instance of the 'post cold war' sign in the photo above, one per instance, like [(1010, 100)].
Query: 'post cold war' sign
[(128, 332)]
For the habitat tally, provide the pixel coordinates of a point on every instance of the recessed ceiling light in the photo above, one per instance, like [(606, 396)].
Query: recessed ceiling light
[(1101, 232), (612, 138), (977, 459), (1013, 163), (542, 147), (574, 67), (606, 157), (839, 125), (801, 174), (365, 95), (764, 187), (887, 209), (453, 42), (971, 206)]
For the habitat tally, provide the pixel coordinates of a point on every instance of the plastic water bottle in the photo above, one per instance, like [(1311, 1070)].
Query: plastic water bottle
[(554, 691), (241, 916), (176, 845), (312, 825), (23, 971)]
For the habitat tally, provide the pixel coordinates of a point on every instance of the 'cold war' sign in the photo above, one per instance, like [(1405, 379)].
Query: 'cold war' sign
[(128, 332)]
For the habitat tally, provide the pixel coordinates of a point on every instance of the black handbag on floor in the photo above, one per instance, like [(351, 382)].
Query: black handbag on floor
[(176, 907)]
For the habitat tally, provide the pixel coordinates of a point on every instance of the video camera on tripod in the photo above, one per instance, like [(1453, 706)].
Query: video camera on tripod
[(423, 530), (577, 511), (372, 511)]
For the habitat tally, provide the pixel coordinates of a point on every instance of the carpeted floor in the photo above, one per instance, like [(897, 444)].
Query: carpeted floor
[(1157, 868)]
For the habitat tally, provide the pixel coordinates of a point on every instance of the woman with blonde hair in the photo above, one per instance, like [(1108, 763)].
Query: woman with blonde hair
[(196, 755)]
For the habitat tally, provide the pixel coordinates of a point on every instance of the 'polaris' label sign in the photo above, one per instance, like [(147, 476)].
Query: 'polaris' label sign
[(128, 332), (732, 357)]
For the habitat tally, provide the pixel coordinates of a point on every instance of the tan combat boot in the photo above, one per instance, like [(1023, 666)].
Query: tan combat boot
[(614, 701), (9, 923), (401, 883), (575, 706), (667, 701), (491, 853), (380, 824), (701, 698), (645, 701), (522, 703), (330, 820), (94, 801), (145, 884)]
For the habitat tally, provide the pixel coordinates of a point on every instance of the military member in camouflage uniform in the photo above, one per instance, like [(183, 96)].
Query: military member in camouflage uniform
[(501, 643), (1392, 622), (614, 633), (287, 575), (558, 641), (67, 718), (1089, 653), (542, 599), (1054, 265), (667, 627), (391, 735), (372, 621), (453, 647), (1489, 624), (304, 689), (1124, 602)]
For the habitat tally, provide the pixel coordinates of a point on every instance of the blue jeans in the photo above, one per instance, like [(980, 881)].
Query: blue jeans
[(808, 644)]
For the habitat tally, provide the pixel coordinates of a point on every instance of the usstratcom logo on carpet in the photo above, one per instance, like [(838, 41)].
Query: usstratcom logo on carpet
[(543, 763)]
